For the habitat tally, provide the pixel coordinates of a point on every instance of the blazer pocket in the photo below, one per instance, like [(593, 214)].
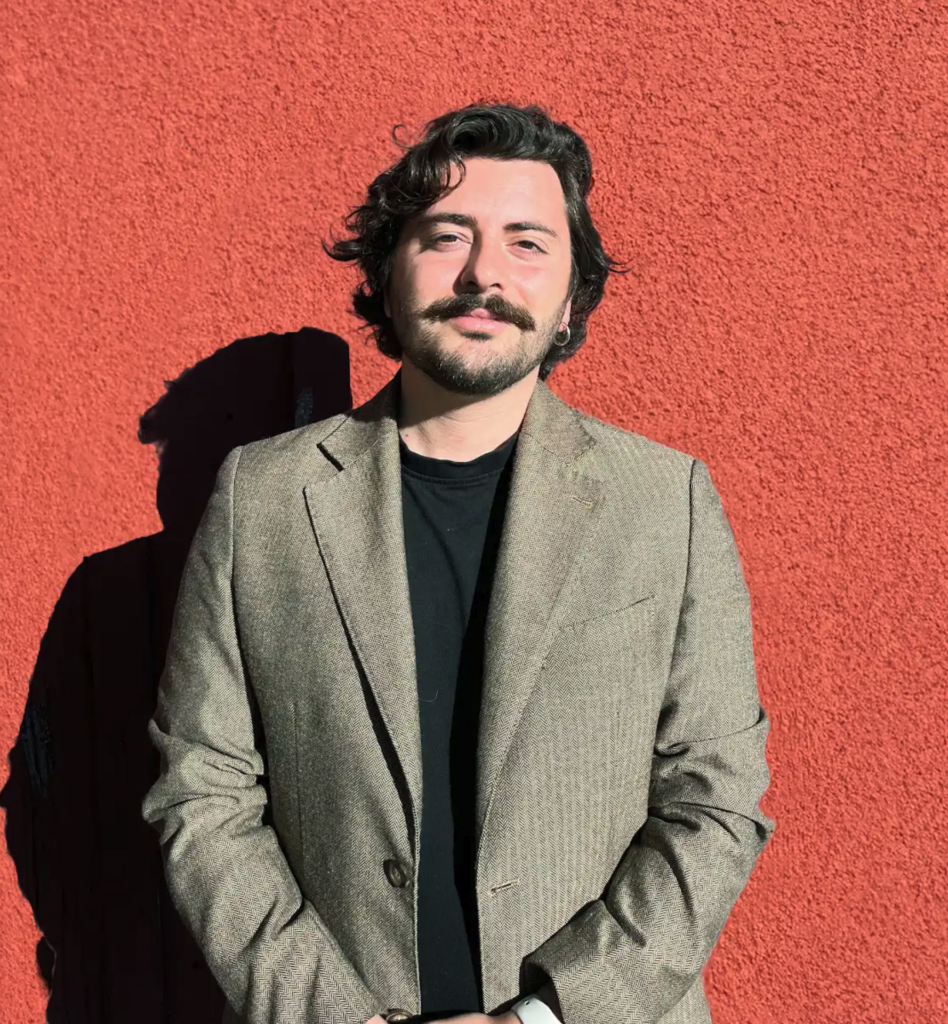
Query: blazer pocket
[(612, 631)]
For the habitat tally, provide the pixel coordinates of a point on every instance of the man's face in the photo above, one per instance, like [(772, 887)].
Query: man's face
[(444, 269)]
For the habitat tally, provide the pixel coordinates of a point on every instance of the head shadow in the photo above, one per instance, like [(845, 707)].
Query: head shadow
[(86, 861)]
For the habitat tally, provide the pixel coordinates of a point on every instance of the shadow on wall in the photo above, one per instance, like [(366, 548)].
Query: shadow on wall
[(114, 949)]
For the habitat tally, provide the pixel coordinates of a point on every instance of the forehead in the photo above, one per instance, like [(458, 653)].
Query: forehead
[(513, 189)]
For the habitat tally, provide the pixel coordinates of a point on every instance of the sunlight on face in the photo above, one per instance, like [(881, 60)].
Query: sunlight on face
[(499, 242)]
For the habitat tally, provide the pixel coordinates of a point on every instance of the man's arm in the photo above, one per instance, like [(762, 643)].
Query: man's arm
[(266, 945), (630, 956)]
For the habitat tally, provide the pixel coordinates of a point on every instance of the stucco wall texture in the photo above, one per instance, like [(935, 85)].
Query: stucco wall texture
[(775, 174)]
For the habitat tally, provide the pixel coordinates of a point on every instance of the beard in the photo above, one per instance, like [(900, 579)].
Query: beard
[(496, 363)]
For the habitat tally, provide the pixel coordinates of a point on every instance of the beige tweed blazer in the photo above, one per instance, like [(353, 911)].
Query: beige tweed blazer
[(620, 757)]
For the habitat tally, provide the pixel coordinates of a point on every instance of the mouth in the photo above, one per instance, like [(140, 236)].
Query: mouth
[(478, 323)]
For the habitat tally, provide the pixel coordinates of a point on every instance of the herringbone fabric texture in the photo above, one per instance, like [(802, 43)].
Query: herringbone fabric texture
[(621, 747)]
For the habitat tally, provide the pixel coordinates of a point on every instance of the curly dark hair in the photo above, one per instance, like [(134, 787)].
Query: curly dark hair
[(420, 178)]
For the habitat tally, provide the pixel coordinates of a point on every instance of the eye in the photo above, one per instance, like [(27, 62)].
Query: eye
[(525, 241)]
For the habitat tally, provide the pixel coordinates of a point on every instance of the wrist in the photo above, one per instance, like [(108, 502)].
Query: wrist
[(548, 994), (533, 1009)]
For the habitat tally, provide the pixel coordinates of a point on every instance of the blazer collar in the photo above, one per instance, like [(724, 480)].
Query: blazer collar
[(550, 422)]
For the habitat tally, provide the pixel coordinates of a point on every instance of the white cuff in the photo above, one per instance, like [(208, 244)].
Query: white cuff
[(532, 1010)]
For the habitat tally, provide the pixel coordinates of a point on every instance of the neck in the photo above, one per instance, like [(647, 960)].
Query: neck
[(441, 425)]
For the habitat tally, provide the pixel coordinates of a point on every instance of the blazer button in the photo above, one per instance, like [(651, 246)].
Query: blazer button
[(395, 1014), (395, 873)]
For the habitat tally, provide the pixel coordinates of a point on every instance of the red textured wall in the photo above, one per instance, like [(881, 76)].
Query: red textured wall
[(776, 175)]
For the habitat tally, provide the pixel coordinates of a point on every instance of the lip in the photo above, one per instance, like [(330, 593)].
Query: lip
[(478, 323)]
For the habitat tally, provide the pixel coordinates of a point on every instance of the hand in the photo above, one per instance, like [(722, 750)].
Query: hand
[(479, 1018), (463, 1018)]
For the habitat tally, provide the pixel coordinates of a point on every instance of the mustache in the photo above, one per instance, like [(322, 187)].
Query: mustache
[(498, 310)]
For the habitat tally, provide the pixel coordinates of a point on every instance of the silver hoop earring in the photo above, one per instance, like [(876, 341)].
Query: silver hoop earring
[(560, 344)]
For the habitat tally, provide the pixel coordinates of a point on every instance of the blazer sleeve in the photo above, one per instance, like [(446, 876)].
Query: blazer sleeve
[(230, 882), (631, 955)]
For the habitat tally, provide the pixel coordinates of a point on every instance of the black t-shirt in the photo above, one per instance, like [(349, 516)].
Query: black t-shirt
[(453, 517)]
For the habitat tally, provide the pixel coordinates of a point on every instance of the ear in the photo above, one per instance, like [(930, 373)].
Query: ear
[(566, 312)]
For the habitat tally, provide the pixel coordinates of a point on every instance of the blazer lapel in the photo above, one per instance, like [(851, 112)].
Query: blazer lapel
[(356, 516), (357, 519), (551, 514)]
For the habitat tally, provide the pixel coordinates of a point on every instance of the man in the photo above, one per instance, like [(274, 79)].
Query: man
[(459, 710)]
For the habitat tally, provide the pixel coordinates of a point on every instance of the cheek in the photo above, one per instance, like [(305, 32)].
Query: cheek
[(415, 292)]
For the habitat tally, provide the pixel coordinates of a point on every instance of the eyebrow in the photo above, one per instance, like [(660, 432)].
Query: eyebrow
[(465, 220)]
